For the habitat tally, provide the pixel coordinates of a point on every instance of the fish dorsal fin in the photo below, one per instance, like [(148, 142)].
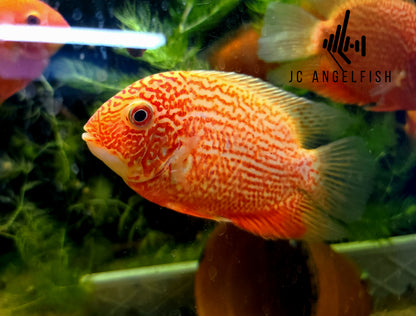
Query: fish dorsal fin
[(315, 122)]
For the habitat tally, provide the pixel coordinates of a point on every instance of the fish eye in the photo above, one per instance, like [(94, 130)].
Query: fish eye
[(140, 114), (33, 19)]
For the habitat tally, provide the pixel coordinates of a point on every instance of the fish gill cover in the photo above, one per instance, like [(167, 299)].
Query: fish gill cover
[(64, 214)]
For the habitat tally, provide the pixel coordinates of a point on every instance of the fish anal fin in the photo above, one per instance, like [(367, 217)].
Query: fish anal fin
[(296, 218)]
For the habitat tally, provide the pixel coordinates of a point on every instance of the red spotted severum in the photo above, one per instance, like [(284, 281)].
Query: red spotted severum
[(230, 147)]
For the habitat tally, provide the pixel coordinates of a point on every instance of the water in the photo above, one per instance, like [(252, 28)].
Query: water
[(66, 216)]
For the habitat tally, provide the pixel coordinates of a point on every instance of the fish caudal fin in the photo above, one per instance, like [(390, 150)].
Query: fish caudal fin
[(345, 176), (287, 33)]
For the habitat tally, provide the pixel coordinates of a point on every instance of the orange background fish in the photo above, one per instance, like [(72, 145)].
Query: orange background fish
[(21, 62), (230, 147), (295, 36), (237, 52)]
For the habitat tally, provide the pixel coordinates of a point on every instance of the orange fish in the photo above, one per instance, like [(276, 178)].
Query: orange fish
[(21, 62), (238, 52), (410, 127), (367, 47), (233, 148)]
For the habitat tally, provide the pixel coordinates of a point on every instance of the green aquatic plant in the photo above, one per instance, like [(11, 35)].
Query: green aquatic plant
[(38, 276), (44, 281), (184, 28), (101, 82), (387, 209), (184, 25), (258, 8), (61, 218)]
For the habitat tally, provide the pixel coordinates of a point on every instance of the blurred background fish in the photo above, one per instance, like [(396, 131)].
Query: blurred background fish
[(242, 274), (237, 52), (410, 127), (295, 36), (233, 148), (21, 62)]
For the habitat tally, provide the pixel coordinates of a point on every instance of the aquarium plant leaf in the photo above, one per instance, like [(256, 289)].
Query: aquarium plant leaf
[(10, 168), (91, 78), (259, 7), (186, 24), (200, 15), (47, 281)]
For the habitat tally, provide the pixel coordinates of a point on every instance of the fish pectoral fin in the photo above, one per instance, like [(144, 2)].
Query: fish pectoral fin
[(181, 161), (297, 218), (382, 89), (287, 33)]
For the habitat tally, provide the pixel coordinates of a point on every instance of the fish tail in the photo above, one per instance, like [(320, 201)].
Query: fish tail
[(287, 33), (345, 176)]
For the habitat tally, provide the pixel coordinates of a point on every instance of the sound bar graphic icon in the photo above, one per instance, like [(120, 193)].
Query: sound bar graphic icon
[(340, 43)]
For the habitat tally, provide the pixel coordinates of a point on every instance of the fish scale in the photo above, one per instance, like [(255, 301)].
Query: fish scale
[(230, 147)]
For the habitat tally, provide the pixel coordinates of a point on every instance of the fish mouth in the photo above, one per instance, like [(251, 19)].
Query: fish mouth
[(87, 137), (113, 161)]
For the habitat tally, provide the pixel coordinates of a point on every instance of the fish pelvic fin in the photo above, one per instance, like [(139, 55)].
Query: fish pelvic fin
[(288, 33), (345, 169)]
